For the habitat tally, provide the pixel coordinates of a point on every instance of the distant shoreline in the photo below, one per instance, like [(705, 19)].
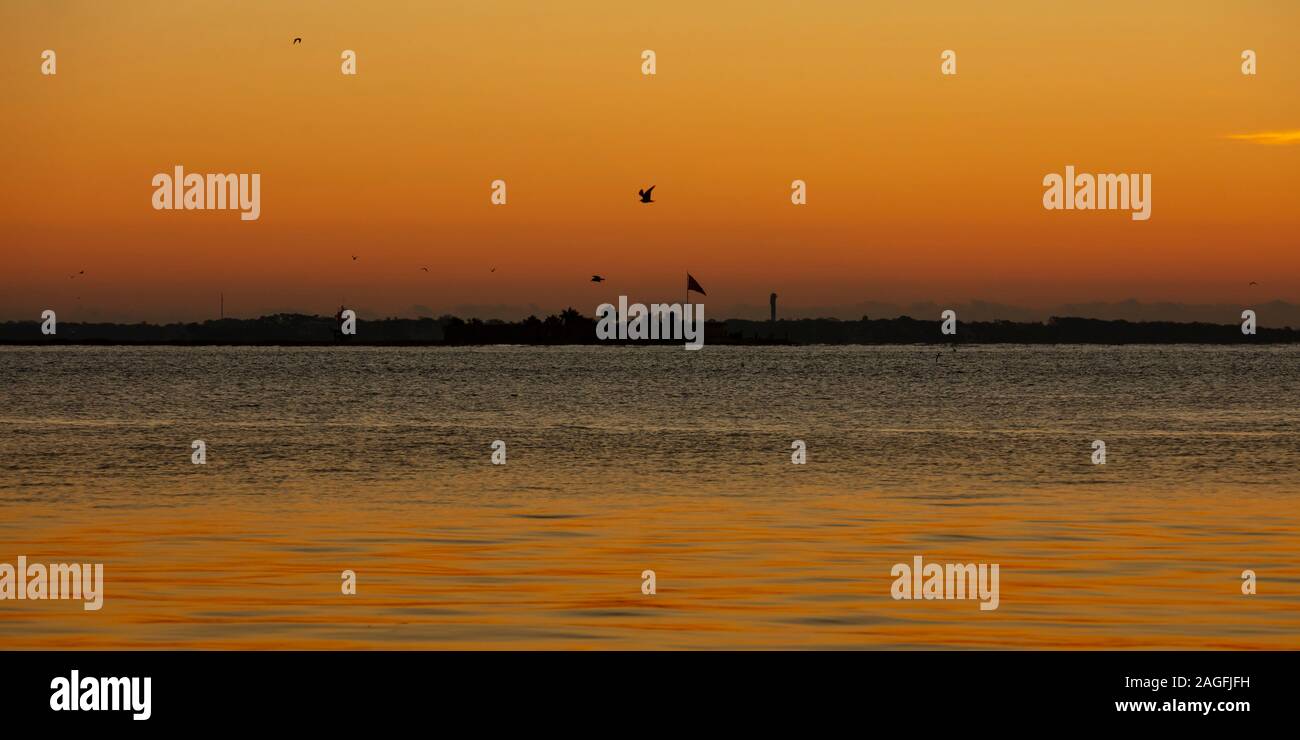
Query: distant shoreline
[(572, 328), (344, 345)]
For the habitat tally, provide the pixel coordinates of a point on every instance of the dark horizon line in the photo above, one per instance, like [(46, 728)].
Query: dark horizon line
[(570, 327), (987, 310)]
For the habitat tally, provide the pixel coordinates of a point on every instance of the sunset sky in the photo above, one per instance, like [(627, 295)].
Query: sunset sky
[(921, 187)]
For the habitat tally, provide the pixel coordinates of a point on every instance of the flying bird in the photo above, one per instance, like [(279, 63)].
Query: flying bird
[(597, 279), (297, 39), (493, 270), (645, 194), (1252, 282), (354, 258), (425, 269)]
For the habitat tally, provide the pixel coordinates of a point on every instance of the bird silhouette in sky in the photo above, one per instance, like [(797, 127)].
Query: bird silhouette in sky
[(493, 270), (354, 258), (1252, 282), (297, 39), (597, 279), (425, 269), (645, 194)]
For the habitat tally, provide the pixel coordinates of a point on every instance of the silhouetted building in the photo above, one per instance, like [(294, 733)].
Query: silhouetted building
[(773, 302)]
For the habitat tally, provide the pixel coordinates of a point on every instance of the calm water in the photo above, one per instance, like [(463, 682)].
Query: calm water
[(627, 459)]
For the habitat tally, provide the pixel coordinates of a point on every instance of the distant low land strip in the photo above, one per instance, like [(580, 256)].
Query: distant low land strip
[(570, 327)]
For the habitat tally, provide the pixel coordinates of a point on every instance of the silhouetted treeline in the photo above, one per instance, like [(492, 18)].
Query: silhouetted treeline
[(571, 327), (1056, 330), (281, 328)]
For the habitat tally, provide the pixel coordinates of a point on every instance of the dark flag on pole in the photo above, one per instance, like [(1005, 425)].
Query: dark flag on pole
[(692, 284)]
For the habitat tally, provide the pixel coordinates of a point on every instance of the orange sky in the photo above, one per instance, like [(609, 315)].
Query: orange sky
[(921, 187)]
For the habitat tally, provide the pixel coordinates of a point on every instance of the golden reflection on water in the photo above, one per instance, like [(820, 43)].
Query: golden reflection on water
[(624, 459), (1080, 568)]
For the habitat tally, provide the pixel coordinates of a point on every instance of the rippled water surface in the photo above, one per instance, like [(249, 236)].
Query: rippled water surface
[(625, 459)]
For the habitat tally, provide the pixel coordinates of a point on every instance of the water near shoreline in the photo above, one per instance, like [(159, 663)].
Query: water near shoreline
[(622, 459)]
